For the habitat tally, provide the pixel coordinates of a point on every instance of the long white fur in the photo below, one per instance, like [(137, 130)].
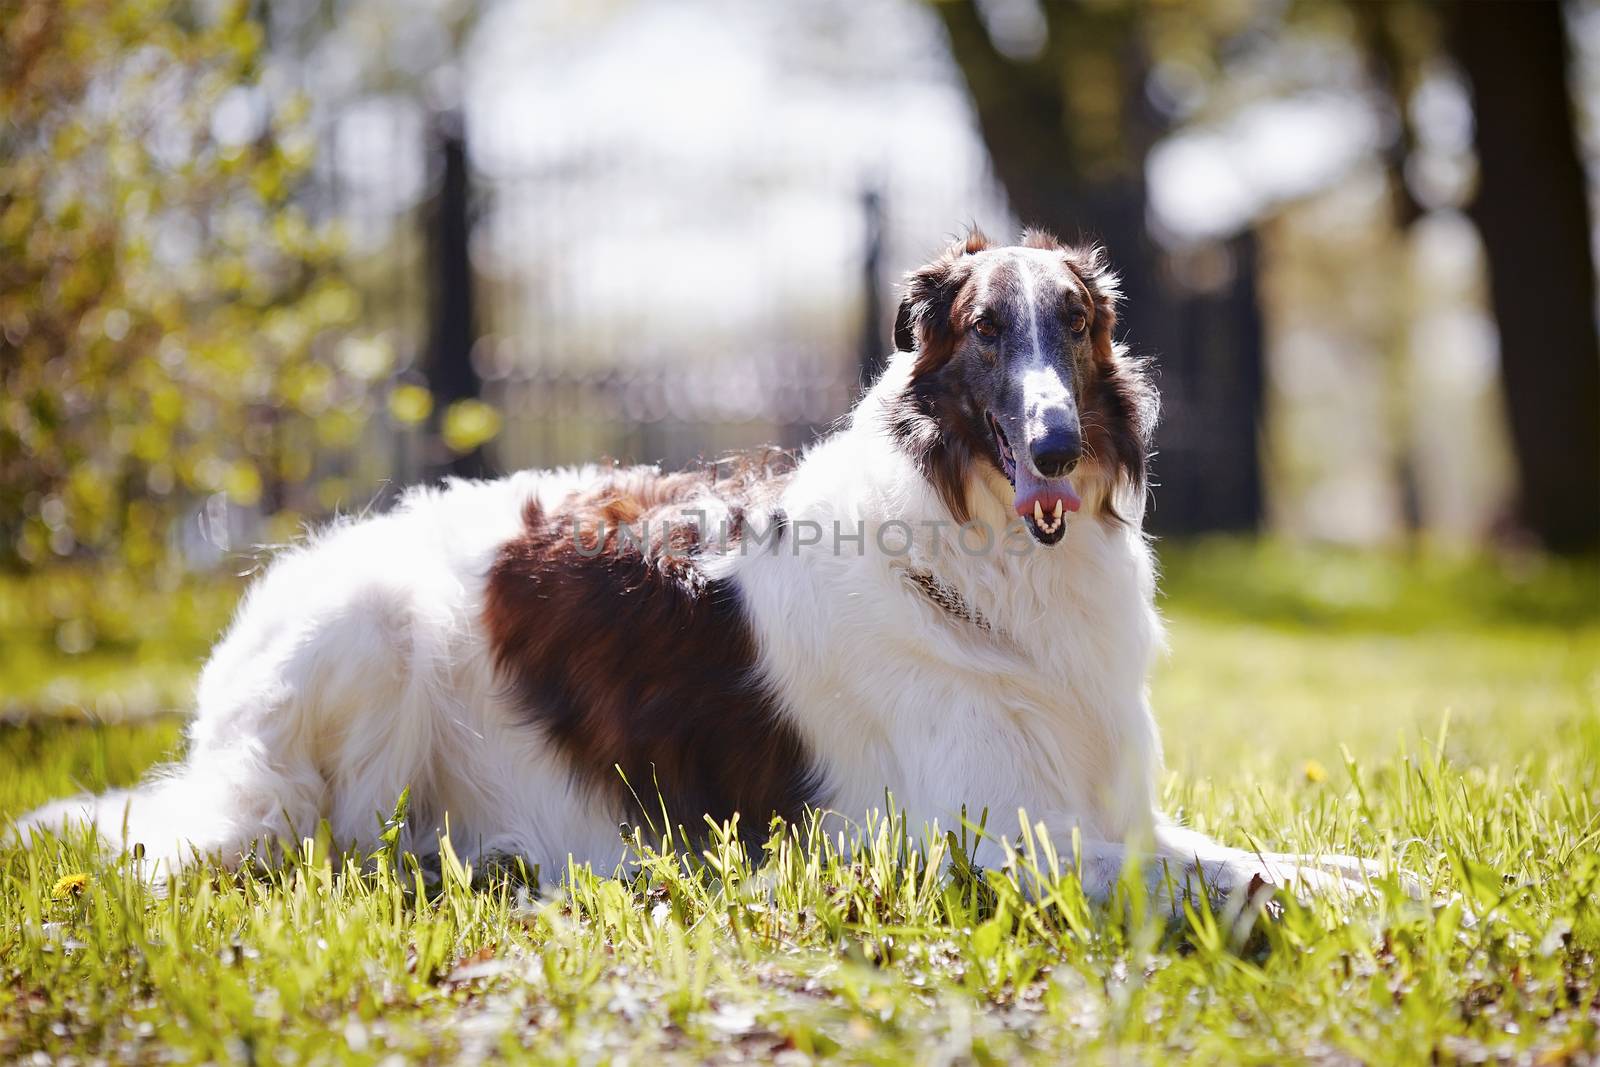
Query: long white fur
[(358, 666)]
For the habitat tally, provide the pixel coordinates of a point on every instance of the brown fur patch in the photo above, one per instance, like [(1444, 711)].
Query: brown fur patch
[(925, 323), (628, 656), (943, 446)]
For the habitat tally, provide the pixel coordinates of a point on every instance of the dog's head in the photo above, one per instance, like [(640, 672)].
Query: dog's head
[(1016, 377)]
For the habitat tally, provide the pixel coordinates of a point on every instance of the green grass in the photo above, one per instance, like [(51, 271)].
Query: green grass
[(1467, 699)]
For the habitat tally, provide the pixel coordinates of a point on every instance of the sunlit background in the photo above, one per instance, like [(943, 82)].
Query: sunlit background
[(263, 263)]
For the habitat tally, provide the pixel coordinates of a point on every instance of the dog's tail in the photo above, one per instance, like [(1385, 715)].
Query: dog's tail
[(201, 807)]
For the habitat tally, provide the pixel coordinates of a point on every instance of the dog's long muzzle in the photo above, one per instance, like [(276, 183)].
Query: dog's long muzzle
[(1044, 489)]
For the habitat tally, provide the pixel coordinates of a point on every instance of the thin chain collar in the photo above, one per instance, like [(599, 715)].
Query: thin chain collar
[(947, 599)]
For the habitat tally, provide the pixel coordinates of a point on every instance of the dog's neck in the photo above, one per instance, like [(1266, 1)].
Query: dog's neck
[(1070, 626)]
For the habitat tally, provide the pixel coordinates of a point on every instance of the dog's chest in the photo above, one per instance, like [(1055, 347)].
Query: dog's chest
[(1034, 701)]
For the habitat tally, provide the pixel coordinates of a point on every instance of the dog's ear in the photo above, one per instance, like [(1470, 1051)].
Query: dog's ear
[(905, 339), (1120, 393), (1093, 266), (923, 322)]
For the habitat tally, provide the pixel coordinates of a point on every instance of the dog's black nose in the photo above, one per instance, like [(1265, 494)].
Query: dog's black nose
[(1056, 453)]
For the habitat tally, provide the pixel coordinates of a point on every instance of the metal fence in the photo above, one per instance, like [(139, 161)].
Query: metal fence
[(612, 297), (603, 316)]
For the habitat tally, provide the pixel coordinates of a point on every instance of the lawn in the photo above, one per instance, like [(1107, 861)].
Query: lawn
[(1443, 713)]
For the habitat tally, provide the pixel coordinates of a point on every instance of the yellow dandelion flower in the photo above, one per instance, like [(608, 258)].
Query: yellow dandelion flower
[(70, 885)]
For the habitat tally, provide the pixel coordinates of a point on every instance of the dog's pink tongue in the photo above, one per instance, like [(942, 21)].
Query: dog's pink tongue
[(1045, 492)]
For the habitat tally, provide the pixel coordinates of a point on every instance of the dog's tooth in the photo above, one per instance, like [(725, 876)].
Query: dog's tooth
[(1058, 510), (1038, 513)]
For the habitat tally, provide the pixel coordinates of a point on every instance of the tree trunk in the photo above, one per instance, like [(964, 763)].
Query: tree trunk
[(875, 340), (453, 328), (1533, 211)]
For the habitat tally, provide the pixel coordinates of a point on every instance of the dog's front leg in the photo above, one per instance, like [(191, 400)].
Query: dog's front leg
[(1304, 874), (1172, 864)]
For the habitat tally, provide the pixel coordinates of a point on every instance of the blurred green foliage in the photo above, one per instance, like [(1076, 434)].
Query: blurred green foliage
[(101, 641), (1285, 584), (172, 324)]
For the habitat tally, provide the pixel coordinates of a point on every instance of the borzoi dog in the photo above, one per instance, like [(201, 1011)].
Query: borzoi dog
[(947, 601)]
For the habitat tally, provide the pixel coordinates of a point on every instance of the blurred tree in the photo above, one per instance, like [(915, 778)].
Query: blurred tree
[(1532, 208), (163, 301), (462, 423), (1398, 39), (873, 341), (1068, 125)]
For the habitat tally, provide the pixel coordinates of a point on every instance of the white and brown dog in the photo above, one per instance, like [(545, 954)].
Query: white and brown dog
[(949, 600)]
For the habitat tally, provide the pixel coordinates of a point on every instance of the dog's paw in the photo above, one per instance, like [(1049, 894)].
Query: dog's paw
[(1322, 877), (1350, 874)]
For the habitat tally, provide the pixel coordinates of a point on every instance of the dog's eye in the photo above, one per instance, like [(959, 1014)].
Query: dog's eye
[(1077, 323), (986, 329)]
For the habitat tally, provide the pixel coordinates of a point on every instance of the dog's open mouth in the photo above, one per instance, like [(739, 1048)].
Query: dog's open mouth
[(1008, 459), (1041, 502)]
